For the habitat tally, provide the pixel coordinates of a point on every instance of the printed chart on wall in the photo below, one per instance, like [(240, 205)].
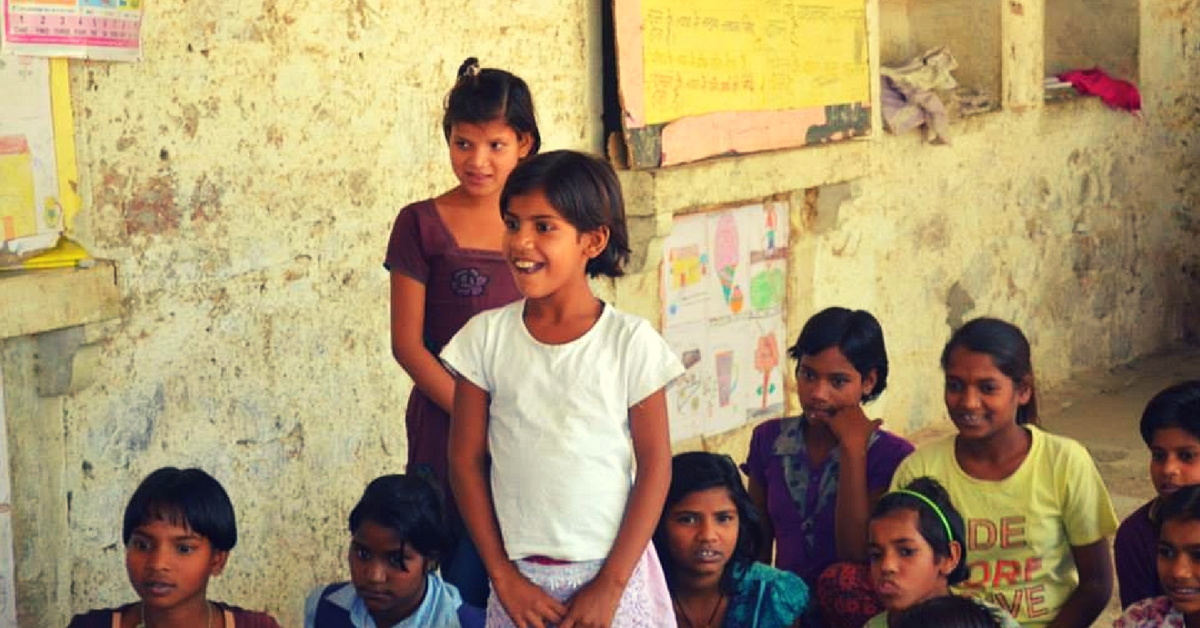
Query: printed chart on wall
[(724, 276), (86, 29)]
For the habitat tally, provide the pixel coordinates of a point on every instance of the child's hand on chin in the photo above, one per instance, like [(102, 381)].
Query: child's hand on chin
[(852, 427), (527, 604), (594, 605)]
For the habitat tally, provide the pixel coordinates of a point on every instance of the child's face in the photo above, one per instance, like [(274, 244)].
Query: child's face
[(1179, 564), (828, 383), (388, 573), (1174, 459), (483, 155), (702, 533), (169, 565), (981, 399), (904, 568), (546, 253)]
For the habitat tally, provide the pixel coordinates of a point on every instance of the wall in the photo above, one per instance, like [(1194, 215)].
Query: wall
[(244, 177)]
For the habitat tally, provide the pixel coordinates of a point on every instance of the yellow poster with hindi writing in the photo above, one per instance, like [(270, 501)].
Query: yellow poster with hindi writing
[(709, 56)]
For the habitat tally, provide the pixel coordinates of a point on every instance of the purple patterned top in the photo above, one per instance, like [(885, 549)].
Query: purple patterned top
[(459, 283), (801, 498)]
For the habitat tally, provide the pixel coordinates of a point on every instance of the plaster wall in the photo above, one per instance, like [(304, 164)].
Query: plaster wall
[(245, 175)]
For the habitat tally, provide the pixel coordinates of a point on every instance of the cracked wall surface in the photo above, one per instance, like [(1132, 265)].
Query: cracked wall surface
[(244, 177)]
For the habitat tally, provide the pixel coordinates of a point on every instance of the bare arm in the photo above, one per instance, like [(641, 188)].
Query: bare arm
[(596, 603), (758, 495), (1087, 601), (470, 465), (853, 506), (408, 342)]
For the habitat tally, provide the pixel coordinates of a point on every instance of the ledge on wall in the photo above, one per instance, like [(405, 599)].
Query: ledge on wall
[(39, 301), (653, 197)]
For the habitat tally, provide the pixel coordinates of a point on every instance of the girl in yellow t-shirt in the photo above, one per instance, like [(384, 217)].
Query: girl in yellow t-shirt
[(1038, 516)]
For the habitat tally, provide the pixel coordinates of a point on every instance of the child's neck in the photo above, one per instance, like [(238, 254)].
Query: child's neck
[(995, 458), (189, 614), (692, 587), (562, 317)]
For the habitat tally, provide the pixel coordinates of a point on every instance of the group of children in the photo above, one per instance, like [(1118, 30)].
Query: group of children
[(541, 489)]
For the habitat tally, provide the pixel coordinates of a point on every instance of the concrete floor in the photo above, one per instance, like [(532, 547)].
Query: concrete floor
[(1101, 409)]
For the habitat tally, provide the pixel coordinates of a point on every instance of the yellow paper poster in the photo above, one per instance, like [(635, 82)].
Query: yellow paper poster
[(707, 56), (18, 215), (33, 206)]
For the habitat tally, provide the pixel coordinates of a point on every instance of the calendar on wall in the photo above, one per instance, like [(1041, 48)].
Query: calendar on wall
[(87, 29)]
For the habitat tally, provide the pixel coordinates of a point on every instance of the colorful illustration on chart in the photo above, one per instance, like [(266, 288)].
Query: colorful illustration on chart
[(767, 288), (766, 358), (772, 218), (726, 378), (725, 258), (687, 265), (723, 280)]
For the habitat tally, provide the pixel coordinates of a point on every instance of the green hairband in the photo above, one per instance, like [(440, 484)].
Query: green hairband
[(937, 511)]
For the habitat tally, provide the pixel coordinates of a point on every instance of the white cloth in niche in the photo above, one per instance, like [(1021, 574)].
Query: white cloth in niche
[(558, 427)]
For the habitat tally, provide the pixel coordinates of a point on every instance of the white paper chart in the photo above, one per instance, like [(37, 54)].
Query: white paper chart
[(723, 286)]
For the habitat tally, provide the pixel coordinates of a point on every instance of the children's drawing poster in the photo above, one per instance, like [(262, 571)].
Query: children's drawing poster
[(723, 285), (108, 30), (37, 160)]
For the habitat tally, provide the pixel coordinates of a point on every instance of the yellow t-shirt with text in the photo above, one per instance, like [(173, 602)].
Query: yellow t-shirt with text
[(1020, 530)]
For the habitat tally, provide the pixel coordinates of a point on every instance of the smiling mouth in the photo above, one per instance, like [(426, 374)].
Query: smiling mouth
[(1182, 592), (526, 266), (969, 420), (709, 556)]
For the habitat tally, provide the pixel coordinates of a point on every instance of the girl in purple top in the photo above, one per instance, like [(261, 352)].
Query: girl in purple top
[(446, 266), (1171, 428), (816, 476)]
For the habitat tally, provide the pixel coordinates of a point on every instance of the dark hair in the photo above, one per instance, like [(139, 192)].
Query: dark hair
[(483, 95), (696, 471), (1181, 505), (856, 334), (929, 524), (189, 498), (411, 507), (948, 611), (1174, 406), (585, 191), (1009, 350)]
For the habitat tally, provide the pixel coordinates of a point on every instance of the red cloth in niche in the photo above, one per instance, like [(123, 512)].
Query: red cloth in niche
[(1115, 93)]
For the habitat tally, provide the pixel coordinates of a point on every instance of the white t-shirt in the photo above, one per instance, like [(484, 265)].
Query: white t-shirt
[(558, 427)]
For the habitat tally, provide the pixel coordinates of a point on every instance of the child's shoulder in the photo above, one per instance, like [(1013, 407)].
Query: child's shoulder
[(1057, 448), (96, 618), (248, 619), (891, 441), (1138, 523)]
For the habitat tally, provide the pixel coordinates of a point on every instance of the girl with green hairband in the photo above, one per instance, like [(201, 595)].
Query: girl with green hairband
[(916, 550)]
